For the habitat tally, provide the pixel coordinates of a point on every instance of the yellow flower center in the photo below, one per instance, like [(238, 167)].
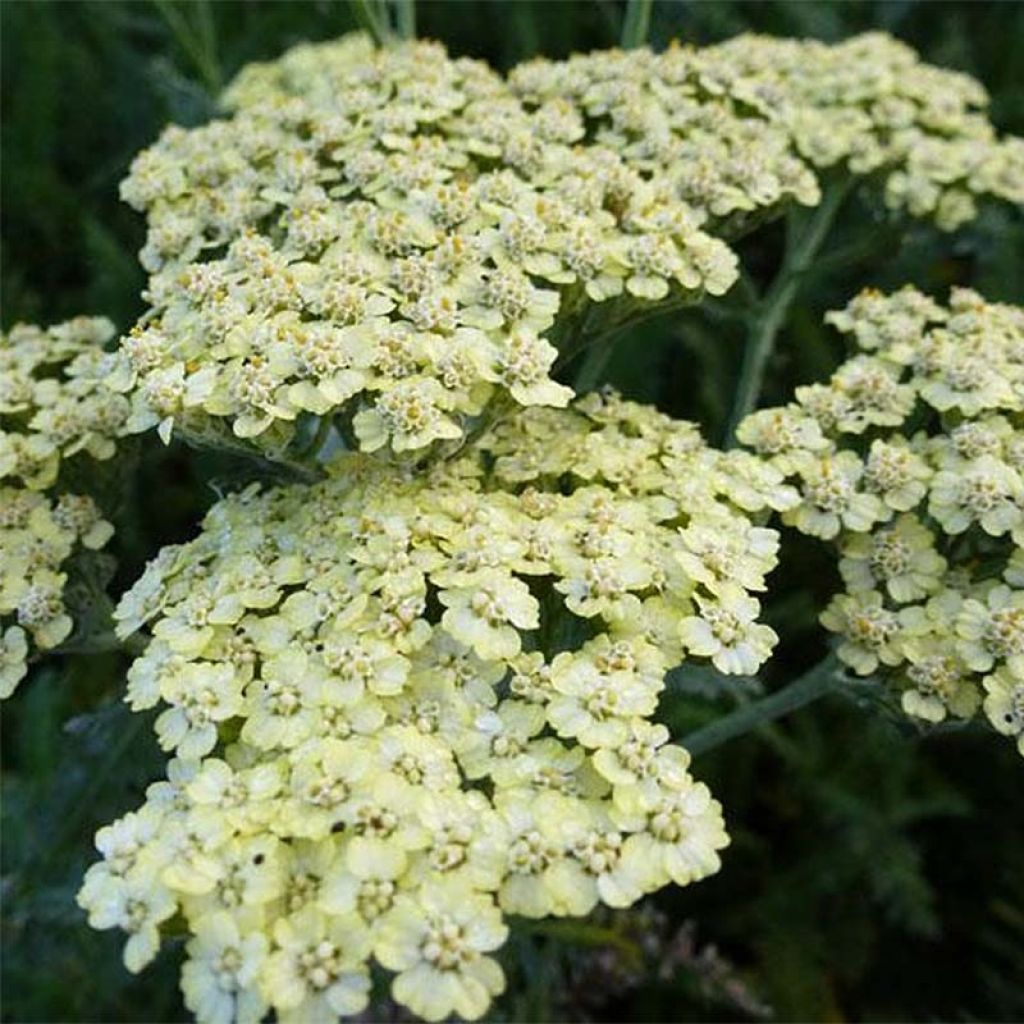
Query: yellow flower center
[(890, 556), (445, 946), (531, 853), (451, 847), (376, 895), (667, 824), (1004, 634), (320, 965), (599, 852)]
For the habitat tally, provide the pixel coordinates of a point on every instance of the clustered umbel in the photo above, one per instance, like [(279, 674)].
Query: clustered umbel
[(396, 237), (743, 126), (54, 404), (54, 399), (911, 461), (418, 696), (405, 705)]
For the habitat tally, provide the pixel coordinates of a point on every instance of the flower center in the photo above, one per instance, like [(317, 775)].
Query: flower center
[(445, 946), (320, 965)]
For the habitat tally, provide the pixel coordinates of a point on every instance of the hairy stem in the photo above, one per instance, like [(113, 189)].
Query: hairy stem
[(818, 681), (770, 313)]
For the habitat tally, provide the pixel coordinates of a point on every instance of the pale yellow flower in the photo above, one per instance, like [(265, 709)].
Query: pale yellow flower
[(438, 943), (1004, 704)]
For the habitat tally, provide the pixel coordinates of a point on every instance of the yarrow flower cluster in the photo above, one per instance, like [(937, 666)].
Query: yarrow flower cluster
[(911, 461), (403, 706), (398, 246), (418, 697), (399, 237), (54, 399), (54, 404), (744, 125)]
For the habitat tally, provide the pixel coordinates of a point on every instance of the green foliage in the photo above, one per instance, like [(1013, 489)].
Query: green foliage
[(872, 869)]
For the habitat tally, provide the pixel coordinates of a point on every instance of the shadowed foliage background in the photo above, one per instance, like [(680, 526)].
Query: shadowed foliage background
[(875, 870)]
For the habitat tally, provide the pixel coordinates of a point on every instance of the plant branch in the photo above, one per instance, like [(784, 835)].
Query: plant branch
[(771, 312), (309, 452), (821, 679), (103, 643), (85, 804), (279, 465), (602, 322)]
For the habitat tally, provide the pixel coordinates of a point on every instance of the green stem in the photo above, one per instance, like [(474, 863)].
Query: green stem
[(770, 314), (601, 322), (595, 362), (309, 453), (199, 43), (636, 24), (818, 681), (581, 933), (279, 466), (405, 18), (373, 19), (104, 643)]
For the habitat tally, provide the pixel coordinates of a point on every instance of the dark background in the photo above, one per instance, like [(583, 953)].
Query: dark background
[(876, 872)]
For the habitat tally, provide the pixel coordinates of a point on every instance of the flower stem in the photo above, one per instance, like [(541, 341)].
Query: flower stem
[(316, 442), (278, 465), (769, 315), (595, 362), (103, 643), (636, 24), (405, 19), (373, 18), (199, 41), (821, 679)]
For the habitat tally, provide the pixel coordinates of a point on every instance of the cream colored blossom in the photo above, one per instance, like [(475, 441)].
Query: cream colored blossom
[(417, 695), (832, 498), (991, 629), (13, 653), (1004, 705), (900, 557), (931, 605), (396, 234), (218, 977), (403, 719), (56, 404), (872, 634), (438, 943), (727, 633), (940, 683)]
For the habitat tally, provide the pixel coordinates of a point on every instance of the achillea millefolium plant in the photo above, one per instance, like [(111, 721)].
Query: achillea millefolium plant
[(409, 684)]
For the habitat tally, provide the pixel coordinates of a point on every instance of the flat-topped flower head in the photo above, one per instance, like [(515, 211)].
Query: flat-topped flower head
[(55, 400), (39, 536), (418, 694), (912, 469), (397, 720), (55, 405), (394, 238)]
